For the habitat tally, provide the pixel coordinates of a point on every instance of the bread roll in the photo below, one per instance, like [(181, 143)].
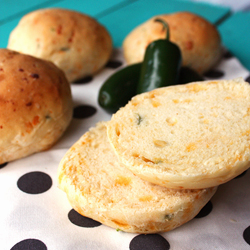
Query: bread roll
[(99, 187), (198, 40), (75, 42), (35, 105), (187, 136)]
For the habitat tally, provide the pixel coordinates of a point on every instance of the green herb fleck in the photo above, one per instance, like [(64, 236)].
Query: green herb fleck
[(169, 217), (139, 119), (64, 49), (158, 162)]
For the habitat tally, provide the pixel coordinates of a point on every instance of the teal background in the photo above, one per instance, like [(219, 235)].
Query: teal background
[(121, 16)]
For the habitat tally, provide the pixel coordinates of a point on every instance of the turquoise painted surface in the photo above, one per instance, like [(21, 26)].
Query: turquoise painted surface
[(235, 33), (11, 8), (93, 8), (121, 16), (5, 31), (121, 22)]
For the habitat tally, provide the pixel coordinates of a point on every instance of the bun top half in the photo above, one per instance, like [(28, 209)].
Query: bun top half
[(185, 136)]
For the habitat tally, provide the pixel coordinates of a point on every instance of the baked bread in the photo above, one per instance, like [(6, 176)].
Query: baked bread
[(35, 105), (99, 187), (198, 40), (185, 136), (75, 42)]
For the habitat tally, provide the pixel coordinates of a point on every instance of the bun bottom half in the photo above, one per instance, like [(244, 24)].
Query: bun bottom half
[(99, 187)]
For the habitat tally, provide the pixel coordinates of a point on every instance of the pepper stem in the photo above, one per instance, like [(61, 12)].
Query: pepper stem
[(165, 26)]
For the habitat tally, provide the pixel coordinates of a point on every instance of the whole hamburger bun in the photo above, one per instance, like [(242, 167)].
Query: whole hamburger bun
[(35, 105), (198, 40), (75, 42)]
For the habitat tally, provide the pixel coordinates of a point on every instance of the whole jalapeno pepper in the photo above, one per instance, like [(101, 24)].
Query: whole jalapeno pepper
[(161, 64), (119, 88)]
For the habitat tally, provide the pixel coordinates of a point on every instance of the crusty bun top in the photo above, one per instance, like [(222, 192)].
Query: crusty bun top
[(35, 104), (198, 39), (187, 136), (75, 42)]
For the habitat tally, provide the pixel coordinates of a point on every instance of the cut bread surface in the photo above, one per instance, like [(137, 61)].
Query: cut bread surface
[(99, 187), (187, 136)]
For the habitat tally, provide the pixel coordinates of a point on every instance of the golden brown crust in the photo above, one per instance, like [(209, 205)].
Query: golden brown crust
[(35, 105), (75, 42), (198, 40)]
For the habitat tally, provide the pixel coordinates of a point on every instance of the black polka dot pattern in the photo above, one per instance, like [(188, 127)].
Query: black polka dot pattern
[(228, 55), (246, 235), (84, 111), (206, 210), (82, 221), (84, 80), (30, 244), (248, 79), (149, 242), (3, 165), (241, 175), (113, 64), (36, 188), (214, 73), (34, 183)]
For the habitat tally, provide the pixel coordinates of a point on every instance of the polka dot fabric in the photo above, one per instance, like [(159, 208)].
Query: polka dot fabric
[(35, 214)]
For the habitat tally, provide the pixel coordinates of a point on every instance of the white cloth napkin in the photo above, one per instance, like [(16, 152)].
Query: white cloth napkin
[(232, 4), (35, 214)]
